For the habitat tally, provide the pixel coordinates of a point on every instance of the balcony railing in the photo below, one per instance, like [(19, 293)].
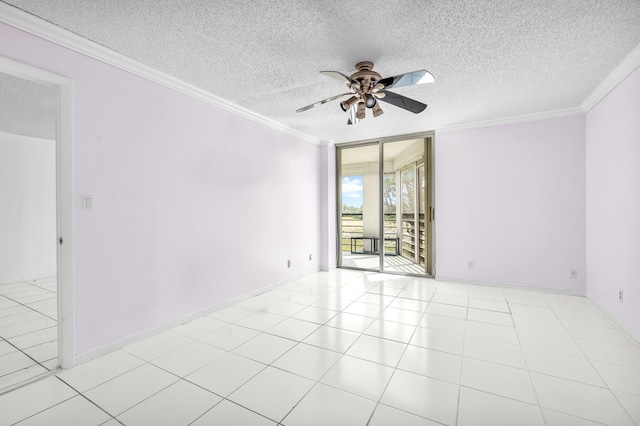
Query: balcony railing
[(352, 226)]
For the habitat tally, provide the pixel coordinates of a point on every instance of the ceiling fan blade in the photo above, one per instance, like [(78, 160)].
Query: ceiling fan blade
[(402, 102), (407, 79), (324, 101), (340, 77)]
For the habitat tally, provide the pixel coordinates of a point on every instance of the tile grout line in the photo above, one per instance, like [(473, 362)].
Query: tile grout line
[(29, 380), (112, 417), (317, 382), (342, 354), (400, 359), (23, 351), (263, 369), (48, 408), (526, 363), (589, 360), (328, 369), (464, 341), (271, 364)]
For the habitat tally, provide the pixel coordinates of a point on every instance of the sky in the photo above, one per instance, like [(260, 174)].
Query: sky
[(352, 191)]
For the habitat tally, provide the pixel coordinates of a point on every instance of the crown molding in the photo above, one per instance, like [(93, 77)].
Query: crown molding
[(628, 65), (512, 120), (34, 25)]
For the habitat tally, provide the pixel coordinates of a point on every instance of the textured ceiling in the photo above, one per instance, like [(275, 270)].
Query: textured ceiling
[(27, 108), (491, 59)]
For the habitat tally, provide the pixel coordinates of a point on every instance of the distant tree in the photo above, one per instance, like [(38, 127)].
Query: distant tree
[(351, 209), (389, 192), (408, 191)]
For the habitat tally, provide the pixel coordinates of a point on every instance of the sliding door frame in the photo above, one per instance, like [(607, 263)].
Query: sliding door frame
[(339, 148), (429, 211)]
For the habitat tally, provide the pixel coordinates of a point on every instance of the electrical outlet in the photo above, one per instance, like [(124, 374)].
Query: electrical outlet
[(620, 295), (471, 264), (573, 274), (288, 264)]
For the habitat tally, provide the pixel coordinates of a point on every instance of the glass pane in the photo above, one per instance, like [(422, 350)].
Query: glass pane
[(360, 207), (401, 196), (389, 208), (422, 217), (408, 189), (407, 177)]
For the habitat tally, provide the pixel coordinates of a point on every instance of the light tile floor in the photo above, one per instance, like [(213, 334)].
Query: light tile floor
[(351, 348), (28, 330)]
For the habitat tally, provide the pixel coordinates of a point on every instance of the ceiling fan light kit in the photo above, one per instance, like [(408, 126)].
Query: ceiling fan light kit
[(346, 105), (377, 110), (360, 111), (367, 87), (369, 101)]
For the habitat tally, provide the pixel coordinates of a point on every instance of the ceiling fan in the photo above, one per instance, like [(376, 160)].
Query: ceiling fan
[(367, 87)]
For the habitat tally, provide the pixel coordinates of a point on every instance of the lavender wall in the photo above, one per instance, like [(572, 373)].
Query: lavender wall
[(613, 202), (193, 205), (512, 200)]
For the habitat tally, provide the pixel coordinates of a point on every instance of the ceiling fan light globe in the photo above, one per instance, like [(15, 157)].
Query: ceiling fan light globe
[(369, 101), (360, 111)]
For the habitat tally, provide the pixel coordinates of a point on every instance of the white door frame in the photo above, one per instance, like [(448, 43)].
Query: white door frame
[(64, 198)]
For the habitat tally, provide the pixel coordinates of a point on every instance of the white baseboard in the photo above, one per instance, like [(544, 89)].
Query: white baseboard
[(509, 285), (119, 344), (631, 333)]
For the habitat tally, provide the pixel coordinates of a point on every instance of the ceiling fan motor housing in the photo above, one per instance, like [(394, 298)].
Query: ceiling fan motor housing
[(365, 75), (364, 80)]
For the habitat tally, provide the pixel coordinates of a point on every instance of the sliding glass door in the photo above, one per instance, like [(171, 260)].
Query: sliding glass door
[(385, 206), (359, 211)]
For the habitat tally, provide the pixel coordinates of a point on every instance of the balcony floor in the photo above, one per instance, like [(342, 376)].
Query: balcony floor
[(372, 261)]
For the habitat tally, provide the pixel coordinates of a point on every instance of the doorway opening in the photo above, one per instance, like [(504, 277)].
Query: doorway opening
[(385, 206), (36, 327)]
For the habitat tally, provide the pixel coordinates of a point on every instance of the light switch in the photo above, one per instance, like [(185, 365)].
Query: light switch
[(87, 202)]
